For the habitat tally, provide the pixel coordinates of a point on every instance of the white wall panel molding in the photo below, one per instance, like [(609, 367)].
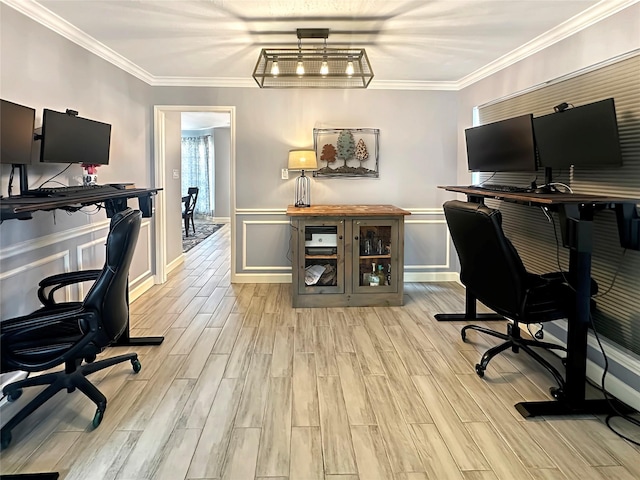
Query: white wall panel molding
[(47, 240), (261, 211), (447, 254), (79, 255), (245, 225), (423, 211), (38, 263), (64, 256)]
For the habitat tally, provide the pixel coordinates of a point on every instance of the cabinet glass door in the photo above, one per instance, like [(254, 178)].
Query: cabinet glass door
[(375, 255), (322, 246)]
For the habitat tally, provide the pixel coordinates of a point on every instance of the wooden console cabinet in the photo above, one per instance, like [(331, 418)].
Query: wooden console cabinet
[(337, 247)]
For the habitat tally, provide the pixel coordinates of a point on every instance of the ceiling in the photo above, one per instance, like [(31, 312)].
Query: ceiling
[(411, 43)]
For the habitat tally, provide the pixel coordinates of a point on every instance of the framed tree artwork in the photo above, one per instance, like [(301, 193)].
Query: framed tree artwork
[(346, 152)]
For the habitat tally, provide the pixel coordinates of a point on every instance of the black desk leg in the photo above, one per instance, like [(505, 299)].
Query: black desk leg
[(126, 341), (572, 401), (470, 312)]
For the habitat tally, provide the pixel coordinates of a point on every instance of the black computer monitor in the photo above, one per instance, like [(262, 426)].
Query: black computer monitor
[(585, 136), (504, 146), (16, 133), (67, 138)]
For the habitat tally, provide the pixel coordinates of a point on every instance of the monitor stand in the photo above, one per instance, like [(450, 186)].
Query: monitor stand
[(548, 180)]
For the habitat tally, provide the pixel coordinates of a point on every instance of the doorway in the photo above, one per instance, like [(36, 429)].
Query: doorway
[(167, 135)]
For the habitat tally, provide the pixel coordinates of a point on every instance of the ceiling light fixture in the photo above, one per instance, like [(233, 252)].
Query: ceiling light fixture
[(317, 67)]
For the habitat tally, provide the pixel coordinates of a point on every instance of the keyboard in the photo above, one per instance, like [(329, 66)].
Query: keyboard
[(493, 187), (70, 190)]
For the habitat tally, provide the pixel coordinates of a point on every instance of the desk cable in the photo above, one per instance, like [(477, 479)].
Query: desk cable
[(605, 370)]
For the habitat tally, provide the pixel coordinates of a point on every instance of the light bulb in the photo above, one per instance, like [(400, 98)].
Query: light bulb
[(300, 68), (324, 68), (275, 70), (349, 71)]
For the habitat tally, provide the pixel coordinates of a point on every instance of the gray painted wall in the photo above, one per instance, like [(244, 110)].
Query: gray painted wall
[(417, 147), (222, 145), (41, 69)]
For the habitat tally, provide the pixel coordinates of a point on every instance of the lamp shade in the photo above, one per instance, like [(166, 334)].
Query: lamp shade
[(302, 160)]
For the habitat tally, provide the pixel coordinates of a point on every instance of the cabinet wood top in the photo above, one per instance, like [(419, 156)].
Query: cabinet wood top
[(346, 211)]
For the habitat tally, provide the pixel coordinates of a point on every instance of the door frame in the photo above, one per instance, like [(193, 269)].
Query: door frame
[(159, 165)]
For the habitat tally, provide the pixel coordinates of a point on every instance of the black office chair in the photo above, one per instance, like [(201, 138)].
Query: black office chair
[(68, 333), (189, 208), (492, 270)]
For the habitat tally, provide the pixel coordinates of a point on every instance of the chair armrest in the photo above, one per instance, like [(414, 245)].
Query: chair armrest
[(62, 280)]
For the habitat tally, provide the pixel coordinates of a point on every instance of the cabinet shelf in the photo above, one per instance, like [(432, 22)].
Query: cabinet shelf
[(322, 257), (368, 257)]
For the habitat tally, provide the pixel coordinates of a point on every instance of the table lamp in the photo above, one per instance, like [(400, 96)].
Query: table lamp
[(302, 160)]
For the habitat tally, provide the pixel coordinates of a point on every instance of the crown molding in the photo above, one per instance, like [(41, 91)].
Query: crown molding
[(591, 16), (47, 18), (411, 85), (222, 82)]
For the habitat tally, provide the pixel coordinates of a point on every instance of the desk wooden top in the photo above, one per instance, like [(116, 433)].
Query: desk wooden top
[(539, 198), (346, 211)]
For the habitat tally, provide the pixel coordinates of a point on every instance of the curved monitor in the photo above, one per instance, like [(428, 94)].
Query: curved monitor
[(16, 133), (71, 139), (585, 136), (504, 146)]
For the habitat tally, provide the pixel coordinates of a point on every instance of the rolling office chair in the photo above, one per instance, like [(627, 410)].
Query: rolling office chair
[(68, 333), (189, 208), (492, 270)]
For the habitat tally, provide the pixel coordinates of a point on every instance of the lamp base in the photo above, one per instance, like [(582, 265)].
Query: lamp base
[(303, 191)]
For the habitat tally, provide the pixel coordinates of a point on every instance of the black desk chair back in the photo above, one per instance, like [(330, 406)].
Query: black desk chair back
[(189, 208), (68, 333), (492, 270)]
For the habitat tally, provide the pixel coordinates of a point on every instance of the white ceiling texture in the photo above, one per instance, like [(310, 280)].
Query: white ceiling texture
[(445, 44)]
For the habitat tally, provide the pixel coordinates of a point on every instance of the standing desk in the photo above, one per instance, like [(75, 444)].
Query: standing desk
[(576, 213), (21, 207)]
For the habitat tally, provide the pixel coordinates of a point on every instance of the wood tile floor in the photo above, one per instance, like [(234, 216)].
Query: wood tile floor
[(245, 387)]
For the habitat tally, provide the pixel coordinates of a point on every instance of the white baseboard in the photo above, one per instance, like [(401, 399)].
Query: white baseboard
[(139, 289), (286, 277), (175, 264), (221, 219), (261, 278), (431, 277)]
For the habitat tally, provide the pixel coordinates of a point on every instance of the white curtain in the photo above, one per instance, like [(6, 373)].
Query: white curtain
[(197, 170)]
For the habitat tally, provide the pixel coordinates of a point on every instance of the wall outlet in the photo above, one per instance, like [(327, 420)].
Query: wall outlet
[(285, 174)]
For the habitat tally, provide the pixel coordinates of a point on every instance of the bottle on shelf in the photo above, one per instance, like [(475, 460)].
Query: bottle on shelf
[(374, 279), (381, 274), (388, 274)]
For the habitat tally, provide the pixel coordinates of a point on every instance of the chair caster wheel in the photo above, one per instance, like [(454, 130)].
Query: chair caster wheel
[(13, 396), (479, 370), (97, 418), (137, 366), (557, 393), (5, 439)]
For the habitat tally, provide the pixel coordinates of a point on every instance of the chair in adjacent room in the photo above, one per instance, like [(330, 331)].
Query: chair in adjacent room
[(68, 333), (189, 202), (492, 270)]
